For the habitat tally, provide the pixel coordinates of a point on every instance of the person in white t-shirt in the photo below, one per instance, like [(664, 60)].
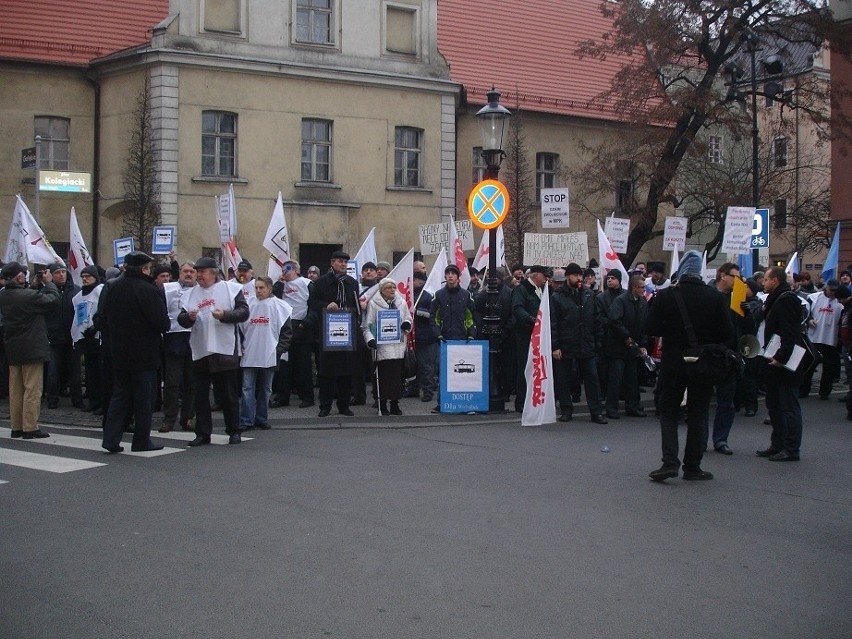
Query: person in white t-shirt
[(266, 337), (824, 331), (297, 371)]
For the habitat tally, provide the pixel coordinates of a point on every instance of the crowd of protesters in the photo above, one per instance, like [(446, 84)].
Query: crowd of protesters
[(152, 336)]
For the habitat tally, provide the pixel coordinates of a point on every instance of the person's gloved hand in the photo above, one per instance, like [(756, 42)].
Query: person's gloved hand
[(406, 326), (372, 344)]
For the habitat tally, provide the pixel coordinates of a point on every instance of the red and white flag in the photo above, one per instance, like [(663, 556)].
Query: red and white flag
[(277, 240), (456, 256), (16, 250), (481, 260), (609, 258), (540, 402), (78, 255)]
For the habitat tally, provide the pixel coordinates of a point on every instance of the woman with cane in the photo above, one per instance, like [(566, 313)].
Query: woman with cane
[(387, 323)]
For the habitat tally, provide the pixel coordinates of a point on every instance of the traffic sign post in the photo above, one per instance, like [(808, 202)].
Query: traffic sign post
[(760, 230), (488, 204)]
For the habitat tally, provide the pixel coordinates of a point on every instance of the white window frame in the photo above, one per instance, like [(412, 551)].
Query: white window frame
[(334, 25), (715, 149), (314, 145), (406, 152), (545, 178), (219, 137), (47, 153)]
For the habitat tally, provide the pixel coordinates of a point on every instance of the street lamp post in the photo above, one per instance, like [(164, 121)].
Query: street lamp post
[(492, 122)]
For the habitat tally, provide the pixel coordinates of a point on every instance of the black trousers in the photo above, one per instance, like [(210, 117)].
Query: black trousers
[(830, 370), (226, 387), (782, 402), (697, 408), (339, 387)]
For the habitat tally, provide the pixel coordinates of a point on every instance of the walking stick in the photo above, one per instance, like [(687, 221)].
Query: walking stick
[(378, 388)]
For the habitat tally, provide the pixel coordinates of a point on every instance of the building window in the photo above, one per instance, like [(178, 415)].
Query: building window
[(55, 142), (714, 149), (546, 166), (315, 21), (400, 30), (624, 186), (218, 143), (780, 214), (408, 156), (223, 15), (779, 152), (316, 150), (478, 164)]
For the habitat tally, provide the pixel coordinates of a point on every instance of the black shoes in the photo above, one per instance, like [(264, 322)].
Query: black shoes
[(200, 440), (306, 403), (724, 449), (781, 455), (262, 426), (696, 474), (35, 434), (427, 397), (17, 433), (599, 419), (146, 449), (165, 428), (565, 417), (324, 412), (383, 409), (113, 449), (394, 408), (664, 472), (767, 452), (235, 439), (612, 415), (750, 413), (346, 412), (53, 403), (436, 410), (636, 413)]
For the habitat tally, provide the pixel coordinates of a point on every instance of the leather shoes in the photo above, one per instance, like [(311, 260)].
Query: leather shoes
[(346, 412), (165, 428), (750, 413), (613, 415), (235, 439), (565, 417), (724, 449), (599, 419), (636, 413), (200, 440), (113, 449), (696, 474), (262, 426), (664, 472), (324, 412), (307, 403), (35, 434), (781, 455), (17, 433), (767, 422), (767, 452), (145, 449)]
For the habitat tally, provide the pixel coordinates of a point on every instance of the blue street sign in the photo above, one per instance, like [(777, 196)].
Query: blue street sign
[(760, 230)]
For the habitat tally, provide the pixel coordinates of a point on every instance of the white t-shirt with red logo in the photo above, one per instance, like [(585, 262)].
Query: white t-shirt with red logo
[(261, 331)]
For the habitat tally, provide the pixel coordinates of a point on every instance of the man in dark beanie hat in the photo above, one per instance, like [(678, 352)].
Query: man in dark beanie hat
[(135, 312), (25, 341)]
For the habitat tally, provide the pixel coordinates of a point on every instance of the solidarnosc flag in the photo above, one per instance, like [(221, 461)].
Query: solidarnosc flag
[(540, 403)]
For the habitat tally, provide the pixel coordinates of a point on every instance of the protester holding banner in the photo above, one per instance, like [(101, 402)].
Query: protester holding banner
[(526, 299), (386, 326), (334, 314)]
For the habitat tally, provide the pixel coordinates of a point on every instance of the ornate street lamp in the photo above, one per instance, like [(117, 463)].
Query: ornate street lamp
[(492, 124)]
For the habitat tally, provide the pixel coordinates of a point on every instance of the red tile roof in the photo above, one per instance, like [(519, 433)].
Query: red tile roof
[(525, 48), (75, 32)]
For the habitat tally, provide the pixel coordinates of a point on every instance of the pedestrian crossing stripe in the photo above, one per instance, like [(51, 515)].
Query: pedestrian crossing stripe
[(49, 463), (90, 443)]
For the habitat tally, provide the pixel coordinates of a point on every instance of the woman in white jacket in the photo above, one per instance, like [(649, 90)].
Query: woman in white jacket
[(388, 317)]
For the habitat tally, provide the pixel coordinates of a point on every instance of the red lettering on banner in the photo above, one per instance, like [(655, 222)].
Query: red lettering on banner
[(259, 320), (404, 289), (612, 255), (539, 367)]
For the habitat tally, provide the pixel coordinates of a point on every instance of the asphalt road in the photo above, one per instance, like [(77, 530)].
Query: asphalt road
[(430, 526)]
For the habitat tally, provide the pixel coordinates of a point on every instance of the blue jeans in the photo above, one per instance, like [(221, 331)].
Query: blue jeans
[(427, 368), (725, 412), (254, 401), (132, 394)]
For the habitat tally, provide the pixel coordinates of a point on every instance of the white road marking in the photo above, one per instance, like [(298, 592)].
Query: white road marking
[(49, 463), (186, 436), (89, 443)]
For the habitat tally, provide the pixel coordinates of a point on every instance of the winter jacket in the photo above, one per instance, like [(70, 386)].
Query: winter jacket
[(59, 322), (525, 303), (425, 332), (134, 309), (453, 313), (576, 323), (386, 350), (24, 326), (626, 320), (783, 312)]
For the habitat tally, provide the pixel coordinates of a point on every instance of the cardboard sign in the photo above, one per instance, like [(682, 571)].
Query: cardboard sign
[(674, 238), (557, 250), (464, 376)]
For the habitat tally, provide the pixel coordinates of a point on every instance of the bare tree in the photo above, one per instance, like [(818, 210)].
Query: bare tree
[(141, 188), (670, 86), (519, 181)]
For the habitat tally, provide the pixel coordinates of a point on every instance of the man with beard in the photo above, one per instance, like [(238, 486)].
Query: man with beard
[(335, 292)]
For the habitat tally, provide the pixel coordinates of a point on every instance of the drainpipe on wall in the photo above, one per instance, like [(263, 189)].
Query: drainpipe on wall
[(96, 172)]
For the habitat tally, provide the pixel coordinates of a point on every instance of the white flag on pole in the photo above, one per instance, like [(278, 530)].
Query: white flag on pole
[(39, 250), (78, 255), (456, 256), (675, 262), (403, 275), (482, 254), (16, 250), (232, 211), (367, 252), (540, 403), (793, 264), (608, 257), (277, 240), (436, 276)]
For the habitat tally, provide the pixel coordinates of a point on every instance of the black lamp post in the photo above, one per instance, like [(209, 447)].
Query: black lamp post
[(492, 122), (772, 65)]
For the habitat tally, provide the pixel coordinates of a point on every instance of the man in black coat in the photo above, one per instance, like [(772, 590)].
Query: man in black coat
[(64, 365), (135, 312), (709, 317), (624, 342), (335, 292), (782, 312)]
